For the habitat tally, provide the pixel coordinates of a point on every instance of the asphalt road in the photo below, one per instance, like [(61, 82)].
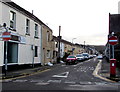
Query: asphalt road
[(63, 77)]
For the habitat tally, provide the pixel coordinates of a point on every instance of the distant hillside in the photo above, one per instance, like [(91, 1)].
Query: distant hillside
[(100, 48)]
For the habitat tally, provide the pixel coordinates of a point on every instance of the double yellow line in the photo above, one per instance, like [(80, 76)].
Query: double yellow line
[(95, 73)]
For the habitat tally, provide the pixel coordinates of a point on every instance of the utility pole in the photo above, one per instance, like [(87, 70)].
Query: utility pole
[(59, 38), (6, 51), (72, 46)]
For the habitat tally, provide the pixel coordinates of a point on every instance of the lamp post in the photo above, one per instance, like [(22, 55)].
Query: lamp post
[(84, 46), (72, 45)]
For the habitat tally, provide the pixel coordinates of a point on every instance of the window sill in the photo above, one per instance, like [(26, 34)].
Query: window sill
[(27, 34), (36, 37)]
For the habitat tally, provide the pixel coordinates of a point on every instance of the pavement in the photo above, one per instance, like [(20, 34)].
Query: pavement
[(23, 72), (104, 72)]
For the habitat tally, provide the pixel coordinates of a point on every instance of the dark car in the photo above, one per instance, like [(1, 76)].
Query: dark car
[(71, 59)]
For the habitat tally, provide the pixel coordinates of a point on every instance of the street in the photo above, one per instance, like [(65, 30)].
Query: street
[(63, 77)]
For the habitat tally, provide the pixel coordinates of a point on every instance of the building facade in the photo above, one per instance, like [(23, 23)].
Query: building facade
[(47, 45), (25, 45)]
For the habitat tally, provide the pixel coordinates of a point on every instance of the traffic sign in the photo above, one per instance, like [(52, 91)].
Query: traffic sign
[(113, 40), (6, 36)]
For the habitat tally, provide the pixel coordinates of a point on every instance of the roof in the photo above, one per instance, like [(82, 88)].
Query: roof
[(61, 40), (5, 0)]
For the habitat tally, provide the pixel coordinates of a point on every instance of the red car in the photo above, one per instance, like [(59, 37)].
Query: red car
[(71, 59)]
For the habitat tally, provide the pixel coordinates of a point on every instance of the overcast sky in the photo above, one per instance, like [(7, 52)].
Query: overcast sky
[(85, 20)]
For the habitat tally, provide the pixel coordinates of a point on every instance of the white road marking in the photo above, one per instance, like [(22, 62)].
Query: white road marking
[(54, 81), (71, 82), (85, 83), (36, 81), (63, 65), (64, 75), (76, 85), (42, 83), (20, 80), (6, 80)]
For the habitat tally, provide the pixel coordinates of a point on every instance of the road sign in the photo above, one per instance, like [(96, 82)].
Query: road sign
[(113, 40), (6, 36)]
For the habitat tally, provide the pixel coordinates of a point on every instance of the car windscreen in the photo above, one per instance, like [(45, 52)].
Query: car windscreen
[(78, 55), (71, 56), (85, 55)]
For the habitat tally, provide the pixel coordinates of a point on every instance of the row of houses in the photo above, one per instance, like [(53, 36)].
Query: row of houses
[(32, 41)]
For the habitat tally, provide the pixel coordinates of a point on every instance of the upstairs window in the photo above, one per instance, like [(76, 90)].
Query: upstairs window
[(48, 54), (48, 36), (27, 27), (36, 31), (12, 19)]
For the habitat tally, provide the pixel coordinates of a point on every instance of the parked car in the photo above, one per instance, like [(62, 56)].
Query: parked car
[(90, 56), (80, 57), (94, 55), (86, 56), (71, 59), (99, 56)]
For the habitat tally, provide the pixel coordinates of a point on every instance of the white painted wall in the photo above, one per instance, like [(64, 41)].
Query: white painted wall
[(62, 46), (1, 53), (119, 7), (25, 54), (5, 14), (0, 13)]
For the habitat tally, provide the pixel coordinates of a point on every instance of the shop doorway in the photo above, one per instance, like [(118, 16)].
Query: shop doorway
[(12, 52)]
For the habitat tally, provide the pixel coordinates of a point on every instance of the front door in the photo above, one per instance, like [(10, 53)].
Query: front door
[(12, 55)]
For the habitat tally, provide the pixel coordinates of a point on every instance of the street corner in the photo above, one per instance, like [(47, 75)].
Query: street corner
[(99, 74), (116, 79)]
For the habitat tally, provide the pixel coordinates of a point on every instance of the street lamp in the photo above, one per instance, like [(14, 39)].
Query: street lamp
[(84, 46), (72, 45), (73, 39)]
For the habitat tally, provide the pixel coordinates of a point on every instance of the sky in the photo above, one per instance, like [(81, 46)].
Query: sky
[(85, 20)]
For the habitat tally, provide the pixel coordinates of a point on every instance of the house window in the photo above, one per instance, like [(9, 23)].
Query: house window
[(12, 19), (56, 44), (36, 51), (48, 36), (27, 27), (48, 53), (36, 31)]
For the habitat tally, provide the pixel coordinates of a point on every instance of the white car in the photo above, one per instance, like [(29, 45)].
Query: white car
[(80, 57), (86, 56), (99, 56)]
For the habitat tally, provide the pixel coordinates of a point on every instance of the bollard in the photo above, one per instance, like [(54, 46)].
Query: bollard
[(112, 68)]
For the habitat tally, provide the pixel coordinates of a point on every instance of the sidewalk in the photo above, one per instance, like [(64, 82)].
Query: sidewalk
[(105, 71), (24, 72)]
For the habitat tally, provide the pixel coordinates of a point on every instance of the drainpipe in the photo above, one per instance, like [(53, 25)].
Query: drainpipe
[(41, 50)]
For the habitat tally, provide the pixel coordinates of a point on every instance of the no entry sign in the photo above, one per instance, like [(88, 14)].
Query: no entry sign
[(113, 40), (6, 36)]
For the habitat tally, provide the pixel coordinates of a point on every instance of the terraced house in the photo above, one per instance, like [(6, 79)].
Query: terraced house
[(47, 45), (30, 42), (67, 47)]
